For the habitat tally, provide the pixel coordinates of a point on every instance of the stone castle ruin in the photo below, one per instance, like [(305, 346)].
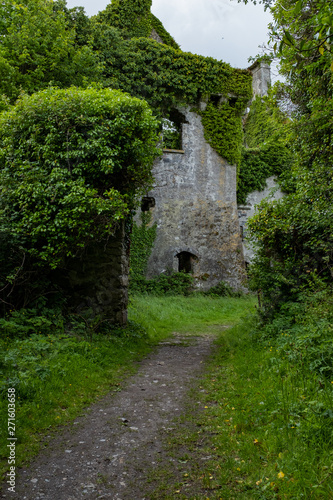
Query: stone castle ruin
[(200, 229)]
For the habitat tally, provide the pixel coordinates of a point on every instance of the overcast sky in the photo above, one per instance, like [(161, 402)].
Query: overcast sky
[(224, 29)]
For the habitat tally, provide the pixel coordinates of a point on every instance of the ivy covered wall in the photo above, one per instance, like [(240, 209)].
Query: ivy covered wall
[(132, 17), (166, 77), (266, 151)]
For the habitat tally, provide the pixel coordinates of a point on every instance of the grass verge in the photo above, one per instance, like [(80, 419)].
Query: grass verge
[(196, 313), (259, 430), (54, 377)]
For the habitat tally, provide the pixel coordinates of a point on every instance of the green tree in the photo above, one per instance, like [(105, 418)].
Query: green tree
[(38, 47), (294, 236)]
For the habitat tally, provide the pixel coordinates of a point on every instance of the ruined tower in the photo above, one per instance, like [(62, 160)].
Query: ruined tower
[(194, 206)]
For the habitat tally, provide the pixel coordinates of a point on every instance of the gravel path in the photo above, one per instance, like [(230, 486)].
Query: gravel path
[(106, 452)]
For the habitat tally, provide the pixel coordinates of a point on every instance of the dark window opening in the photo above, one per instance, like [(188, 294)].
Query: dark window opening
[(232, 101), (186, 262), (147, 203), (172, 128), (215, 100)]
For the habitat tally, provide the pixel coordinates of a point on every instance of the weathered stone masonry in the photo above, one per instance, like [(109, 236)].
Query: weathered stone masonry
[(196, 212), (98, 280), (199, 228)]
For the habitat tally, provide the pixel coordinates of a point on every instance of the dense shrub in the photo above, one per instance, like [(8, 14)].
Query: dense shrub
[(165, 284), (71, 164)]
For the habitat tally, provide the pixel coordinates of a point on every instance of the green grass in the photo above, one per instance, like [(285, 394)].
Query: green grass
[(263, 429), (161, 316), (55, 377)]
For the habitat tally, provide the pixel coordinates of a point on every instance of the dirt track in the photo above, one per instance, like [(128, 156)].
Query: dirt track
[(107, 452)]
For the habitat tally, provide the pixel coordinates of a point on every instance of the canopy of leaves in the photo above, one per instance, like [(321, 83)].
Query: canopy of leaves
[(71, 163), (38, 46)]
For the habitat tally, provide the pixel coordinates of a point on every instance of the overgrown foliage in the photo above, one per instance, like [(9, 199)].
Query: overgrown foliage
[(57, 366), (39, 46), (293, 267), (260, 163), (142, 239), (166, 78), (294, 235), (173, 283), (162, 32), (260, 425), (132, 18), (265, 122), (71, 164), (267, 150)]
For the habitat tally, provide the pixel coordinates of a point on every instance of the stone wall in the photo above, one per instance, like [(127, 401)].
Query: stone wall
[(98, 280), (272, 192), (196, 211), (261, 78), (155, 36)]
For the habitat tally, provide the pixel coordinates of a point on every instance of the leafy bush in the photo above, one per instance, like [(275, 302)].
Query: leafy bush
[(89, 151), (302, 331), (71, 164), (173, 284), (26, 322)]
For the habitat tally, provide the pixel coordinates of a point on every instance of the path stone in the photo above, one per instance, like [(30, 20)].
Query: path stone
[(105, 453)]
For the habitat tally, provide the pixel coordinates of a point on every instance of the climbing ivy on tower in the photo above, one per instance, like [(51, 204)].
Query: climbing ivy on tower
[(133, 17), (267, 150), (142, 241), (163, 33), (167, 78)]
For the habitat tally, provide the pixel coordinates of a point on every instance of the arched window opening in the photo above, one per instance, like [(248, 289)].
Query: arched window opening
[(186, 262), (147, 203)]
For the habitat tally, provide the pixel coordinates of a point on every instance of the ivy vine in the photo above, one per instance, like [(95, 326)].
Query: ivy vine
[(162, 32), (266, 134), (132, 17), (260, 163), (142, 239), (167, 78)]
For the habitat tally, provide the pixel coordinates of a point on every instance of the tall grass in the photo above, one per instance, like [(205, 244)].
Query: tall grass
[(161, 316), (56, 373), (55, 376)]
